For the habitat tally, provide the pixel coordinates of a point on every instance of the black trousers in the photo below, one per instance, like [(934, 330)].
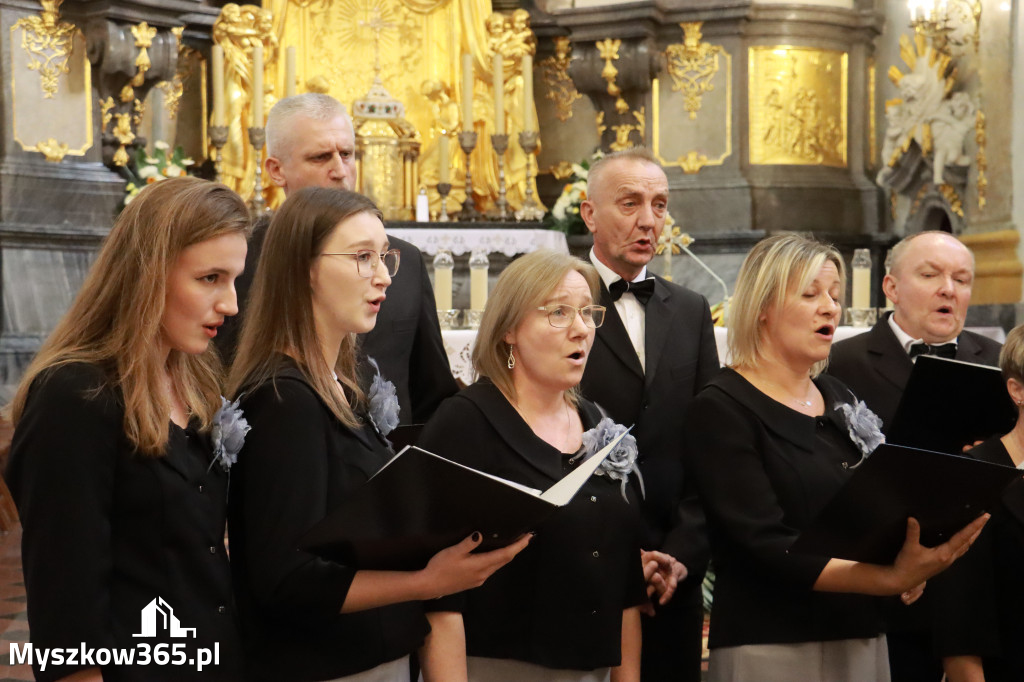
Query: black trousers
[(672, 638)]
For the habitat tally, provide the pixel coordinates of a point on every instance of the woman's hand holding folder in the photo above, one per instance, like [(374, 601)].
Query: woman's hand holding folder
[(458, 568)]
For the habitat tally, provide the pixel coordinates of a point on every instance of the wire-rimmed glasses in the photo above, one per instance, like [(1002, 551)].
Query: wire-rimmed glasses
[(562, 315), (367, 261)]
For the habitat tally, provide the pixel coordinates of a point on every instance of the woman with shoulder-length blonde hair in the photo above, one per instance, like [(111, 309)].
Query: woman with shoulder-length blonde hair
[(769, 441), (567, 608), (113, 466), (321, 279)]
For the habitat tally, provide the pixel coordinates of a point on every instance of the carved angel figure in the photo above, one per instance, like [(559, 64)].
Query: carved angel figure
[(950, 125)]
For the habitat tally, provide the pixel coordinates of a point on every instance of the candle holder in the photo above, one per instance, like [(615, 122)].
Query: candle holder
[(443, 188), (448, 319), (257, 137), (218, 137), (472, 318), (500, 144), (861, 317), (467, 140), (530, 210)]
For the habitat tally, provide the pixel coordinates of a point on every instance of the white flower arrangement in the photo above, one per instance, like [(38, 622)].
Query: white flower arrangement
[(565, 214), (150, 169)]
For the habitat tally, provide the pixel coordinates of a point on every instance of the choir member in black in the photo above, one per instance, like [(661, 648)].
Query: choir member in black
[(567, 609), (770, 440), (113, 465), (321, 279), (979, 602)]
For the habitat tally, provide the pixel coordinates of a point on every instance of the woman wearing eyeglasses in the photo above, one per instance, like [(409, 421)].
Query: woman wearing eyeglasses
[(567, 608), (321, 279)]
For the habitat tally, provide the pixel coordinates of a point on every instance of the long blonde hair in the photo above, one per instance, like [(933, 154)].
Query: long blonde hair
[(115, 320), (279, 318)]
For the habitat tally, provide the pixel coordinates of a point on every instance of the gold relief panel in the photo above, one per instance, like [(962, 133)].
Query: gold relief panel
[(798, 104), (51, 104)]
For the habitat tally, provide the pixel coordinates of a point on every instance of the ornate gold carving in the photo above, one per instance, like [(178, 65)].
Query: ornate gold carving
[(601, 127), (948, 193), (980, 138), (144, 34), (561, 90), (105, 107), (692, 162), (797, 106), (609, 50), (53, 150), (622, 132), (561, 171), (693, 66), (124, 135), (949, 25), (48, 42), (175, 88)]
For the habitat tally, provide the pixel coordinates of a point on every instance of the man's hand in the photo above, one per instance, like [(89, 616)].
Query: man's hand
[(663, 574)]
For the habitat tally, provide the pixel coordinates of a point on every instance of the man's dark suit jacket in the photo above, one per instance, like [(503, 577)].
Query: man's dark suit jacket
[(681, 356), (876, 368), (406, 342)]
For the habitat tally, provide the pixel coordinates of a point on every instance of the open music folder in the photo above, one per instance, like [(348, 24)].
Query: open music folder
[(867, 519), (419, 503)]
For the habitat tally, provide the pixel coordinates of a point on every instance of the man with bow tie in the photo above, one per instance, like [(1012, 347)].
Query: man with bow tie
[(655, 350), (929, 284)]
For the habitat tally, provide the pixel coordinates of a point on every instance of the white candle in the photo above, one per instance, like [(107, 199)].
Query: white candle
[(444, 159), (477, 288), (443, 288), (257, 86), (527, 92), (499, 93), (289, 72), (861, 288), (217, 78), (467, 92)]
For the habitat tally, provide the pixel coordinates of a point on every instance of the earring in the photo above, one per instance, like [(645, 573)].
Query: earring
[(511, 358)]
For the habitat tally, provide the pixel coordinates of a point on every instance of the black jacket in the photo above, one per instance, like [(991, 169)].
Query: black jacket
[(107, 530)]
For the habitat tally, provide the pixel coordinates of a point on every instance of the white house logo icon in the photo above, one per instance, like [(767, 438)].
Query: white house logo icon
[(158, 615)]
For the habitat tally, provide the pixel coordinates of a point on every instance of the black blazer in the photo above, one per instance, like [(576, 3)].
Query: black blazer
[(559, 603), (406, 341), (764, 472), (876, 368), (299, 462), (107, 530), (681, 357), (978, 604)]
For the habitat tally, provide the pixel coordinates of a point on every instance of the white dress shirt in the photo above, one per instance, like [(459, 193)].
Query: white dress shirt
[(905, 339), (630, 310)]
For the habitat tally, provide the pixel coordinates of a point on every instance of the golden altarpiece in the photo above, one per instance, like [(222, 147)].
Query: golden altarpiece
[(412, 49)]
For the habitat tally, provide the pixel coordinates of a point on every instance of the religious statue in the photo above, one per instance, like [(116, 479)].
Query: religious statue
[(950, 125), (237, 30)]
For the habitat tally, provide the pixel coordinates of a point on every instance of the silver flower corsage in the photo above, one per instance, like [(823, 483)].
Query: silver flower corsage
[(621, 461), (864, 426), (383, 402), (228, 433)]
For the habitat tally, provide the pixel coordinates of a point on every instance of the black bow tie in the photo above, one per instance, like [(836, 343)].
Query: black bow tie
[(943, 350), (643, 290)]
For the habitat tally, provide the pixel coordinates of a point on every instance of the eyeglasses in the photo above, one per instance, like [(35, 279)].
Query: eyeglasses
[(367, 261), (562, 315)]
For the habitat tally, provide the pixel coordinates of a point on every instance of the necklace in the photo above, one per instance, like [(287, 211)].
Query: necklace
[(789, 394), (565, 440)]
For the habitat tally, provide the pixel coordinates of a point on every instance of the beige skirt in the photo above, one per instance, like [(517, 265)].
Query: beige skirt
[(845, 660), (395, 671), (506, 669)]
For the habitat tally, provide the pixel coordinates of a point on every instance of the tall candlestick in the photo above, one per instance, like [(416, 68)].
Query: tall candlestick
[(498, 75), (156, 105), (257, 86), (217, 79), (861, 297), (527, 92), (467, 92), (444, 159), (443, 266), (289, 72)]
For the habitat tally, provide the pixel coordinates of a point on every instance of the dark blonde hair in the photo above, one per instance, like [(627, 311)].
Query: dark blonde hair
[(774, 268), (523, 286), (115, 320), (1011, 357), (279, 319)]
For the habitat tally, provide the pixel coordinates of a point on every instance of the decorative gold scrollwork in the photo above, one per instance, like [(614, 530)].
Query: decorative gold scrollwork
[(561, 171), (601, 127), (144, 34), (980, 138), (622, 131), (609, 50), (126, 121), (692, 162), (561, 90), (48, 41), (948, 193), (692, 65), (52, 150), (175, 88)]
